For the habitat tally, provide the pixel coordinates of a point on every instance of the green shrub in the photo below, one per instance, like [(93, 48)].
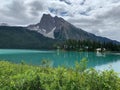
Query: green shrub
[(26, 77)]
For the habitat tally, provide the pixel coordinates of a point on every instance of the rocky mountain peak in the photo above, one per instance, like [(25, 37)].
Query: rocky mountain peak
[(47, 22), (46, 17), (58, 28)]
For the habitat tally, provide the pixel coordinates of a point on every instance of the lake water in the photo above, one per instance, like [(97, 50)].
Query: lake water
[(100, 61)]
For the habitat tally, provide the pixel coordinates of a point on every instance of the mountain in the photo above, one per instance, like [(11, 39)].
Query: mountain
[(20, 37), (46, 34), (4, 24), (58, 28)]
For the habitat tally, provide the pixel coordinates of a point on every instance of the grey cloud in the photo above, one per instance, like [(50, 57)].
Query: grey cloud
[(83, 2), (15, 12), (86, 11), (115, 1), (67, 2), (36, 7), (85, 21), (16, 9), (113, 14), (59, 9)]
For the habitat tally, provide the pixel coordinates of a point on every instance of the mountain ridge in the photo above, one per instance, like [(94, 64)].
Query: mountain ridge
[(4, 24), (49, 33), (64, 30)]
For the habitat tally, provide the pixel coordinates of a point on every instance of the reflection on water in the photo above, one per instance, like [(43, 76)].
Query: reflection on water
[(100, 54), (108, 66), (95, 59)]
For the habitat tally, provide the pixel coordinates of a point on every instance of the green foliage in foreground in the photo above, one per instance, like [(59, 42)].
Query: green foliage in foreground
[(26, 77)]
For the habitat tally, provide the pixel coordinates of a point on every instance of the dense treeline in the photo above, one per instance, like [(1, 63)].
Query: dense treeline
[(22, 38), (90, 45), (26, 77)]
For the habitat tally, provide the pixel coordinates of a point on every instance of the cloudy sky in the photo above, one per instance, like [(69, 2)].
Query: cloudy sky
[(101, 17)]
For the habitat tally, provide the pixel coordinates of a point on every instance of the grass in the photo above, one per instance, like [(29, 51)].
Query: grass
[(27, 77)]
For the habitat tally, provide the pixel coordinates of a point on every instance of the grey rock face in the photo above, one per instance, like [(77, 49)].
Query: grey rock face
[(47, 22)]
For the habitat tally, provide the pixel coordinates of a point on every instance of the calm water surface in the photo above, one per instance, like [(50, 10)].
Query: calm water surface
[(57, 58)]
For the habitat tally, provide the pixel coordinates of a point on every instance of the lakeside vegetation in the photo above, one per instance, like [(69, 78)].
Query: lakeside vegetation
[(78, 45), (43, 77)]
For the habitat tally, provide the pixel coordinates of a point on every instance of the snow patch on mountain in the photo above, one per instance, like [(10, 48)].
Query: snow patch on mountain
[(51, 33), (44, 32)]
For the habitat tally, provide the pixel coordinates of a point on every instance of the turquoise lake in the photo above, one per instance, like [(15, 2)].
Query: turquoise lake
[(100, 61)]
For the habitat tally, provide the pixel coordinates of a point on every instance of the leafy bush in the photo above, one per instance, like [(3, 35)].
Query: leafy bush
[(26, 77)]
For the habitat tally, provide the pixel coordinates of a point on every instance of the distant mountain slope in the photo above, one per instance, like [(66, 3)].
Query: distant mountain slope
[(4, 24), (19, 37), (63, 30)]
